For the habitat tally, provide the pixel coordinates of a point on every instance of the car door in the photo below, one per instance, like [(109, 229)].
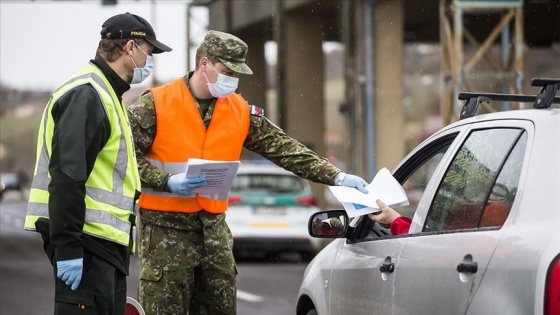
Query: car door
[(440, 269), (362, 281)]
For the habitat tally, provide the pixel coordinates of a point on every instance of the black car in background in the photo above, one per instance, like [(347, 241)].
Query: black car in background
[(12, 181)]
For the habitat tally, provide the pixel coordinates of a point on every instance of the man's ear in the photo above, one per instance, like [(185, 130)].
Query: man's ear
[(128, 46), (204, 62)]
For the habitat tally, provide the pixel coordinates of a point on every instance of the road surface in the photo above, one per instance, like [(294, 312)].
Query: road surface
[(26, 280)]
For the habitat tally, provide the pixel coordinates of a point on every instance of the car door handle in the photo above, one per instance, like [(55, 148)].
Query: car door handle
[(390, 267), (470, 267)]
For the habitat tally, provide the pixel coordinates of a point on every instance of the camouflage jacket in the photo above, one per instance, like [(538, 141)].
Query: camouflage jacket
[(263, 138)]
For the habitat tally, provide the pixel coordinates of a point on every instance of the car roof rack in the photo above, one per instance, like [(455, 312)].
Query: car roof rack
[(547, 96)]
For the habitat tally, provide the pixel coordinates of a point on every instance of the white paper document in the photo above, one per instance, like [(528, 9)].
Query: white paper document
[(219, 174), (383, 186)]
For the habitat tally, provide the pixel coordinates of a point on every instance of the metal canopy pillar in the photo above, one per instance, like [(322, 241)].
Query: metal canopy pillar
[(462, 69)]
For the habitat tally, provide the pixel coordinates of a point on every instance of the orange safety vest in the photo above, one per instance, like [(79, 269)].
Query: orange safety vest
[(181, 134)]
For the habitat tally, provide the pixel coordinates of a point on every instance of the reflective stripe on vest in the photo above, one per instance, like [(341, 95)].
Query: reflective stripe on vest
[(109, 203), (181, 135)]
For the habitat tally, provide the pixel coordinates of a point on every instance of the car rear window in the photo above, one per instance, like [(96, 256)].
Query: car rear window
[(268, 182)]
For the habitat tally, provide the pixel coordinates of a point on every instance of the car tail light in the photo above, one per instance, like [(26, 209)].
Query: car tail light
[(307, 201), (233, 200), (552, 289)]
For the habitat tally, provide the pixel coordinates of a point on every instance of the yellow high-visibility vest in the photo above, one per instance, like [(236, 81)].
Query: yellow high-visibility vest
[(114, 181)]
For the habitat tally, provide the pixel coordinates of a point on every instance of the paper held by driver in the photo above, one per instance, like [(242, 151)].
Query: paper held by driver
[(383, 186)]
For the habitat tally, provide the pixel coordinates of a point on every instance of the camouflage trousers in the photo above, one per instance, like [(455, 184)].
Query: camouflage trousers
[(187, 264)]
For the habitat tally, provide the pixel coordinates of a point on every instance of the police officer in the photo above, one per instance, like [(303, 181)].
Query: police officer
[(86, 180), (187, 263)]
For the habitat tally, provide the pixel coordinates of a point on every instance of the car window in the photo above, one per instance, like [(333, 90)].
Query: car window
[(267, 182), (418, 170), (504, 190), (414, 175), (418, 181), (484, 172)]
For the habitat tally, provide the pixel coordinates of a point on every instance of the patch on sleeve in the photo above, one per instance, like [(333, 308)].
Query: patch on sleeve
[(256, 111)]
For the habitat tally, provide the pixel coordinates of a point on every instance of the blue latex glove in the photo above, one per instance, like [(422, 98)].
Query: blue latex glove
[(356, 182), (70, 271), (183, 185)]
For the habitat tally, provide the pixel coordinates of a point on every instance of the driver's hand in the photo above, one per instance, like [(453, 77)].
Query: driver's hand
[(335, 223), (386, 216)]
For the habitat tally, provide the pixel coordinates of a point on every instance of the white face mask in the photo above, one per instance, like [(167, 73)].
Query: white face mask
[(224, 86), (140, 74)]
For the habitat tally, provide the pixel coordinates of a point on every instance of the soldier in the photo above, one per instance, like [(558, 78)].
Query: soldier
[(187, 263)]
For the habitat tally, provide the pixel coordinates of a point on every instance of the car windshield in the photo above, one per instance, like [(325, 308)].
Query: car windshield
[(268, 183)]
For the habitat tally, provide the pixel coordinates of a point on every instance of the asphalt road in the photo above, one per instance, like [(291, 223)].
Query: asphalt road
[(26, 280)]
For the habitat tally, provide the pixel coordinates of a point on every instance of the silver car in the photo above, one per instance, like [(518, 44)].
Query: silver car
[(485, 232), (268, 212)]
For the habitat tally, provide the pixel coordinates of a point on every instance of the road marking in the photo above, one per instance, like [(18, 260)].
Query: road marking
[(248, 296), (269, 224)]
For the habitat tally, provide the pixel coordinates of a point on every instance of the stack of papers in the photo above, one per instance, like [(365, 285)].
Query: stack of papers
[(219, 174), (383, 186)]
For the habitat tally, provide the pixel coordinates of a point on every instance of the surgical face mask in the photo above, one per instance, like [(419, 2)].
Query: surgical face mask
[(224, 86), (140, 74)]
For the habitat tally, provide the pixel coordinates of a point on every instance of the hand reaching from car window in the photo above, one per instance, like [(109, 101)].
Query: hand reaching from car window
[(384, 217)]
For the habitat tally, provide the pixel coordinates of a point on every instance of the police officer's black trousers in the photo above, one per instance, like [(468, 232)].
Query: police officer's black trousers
[(102, 290)]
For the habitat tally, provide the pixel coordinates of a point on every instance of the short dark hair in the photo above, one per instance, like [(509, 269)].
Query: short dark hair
[(112, 49)]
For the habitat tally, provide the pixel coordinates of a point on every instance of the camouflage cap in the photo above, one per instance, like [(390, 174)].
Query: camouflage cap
[(229, 49)]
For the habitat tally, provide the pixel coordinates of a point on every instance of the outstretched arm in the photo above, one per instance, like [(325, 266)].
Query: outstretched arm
[(388, 217)]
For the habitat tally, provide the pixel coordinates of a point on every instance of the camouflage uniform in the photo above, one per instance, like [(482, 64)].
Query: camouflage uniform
[(174, 246)]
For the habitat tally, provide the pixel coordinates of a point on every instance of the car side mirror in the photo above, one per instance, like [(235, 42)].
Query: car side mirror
[(328, 224)]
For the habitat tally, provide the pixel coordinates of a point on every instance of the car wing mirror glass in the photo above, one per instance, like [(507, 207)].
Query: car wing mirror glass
[(328, 224)]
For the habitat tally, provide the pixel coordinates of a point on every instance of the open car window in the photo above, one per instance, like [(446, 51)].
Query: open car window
[(414, 175), (479, 185), (417, 182)]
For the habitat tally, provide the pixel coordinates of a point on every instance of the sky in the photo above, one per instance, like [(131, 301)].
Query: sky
[(42, 43)]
